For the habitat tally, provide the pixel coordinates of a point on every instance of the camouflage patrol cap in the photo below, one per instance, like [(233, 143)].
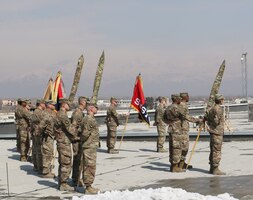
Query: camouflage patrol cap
[(39, 101), (184, 94), (219, 97), (64, 100), (93, 104), (51, 102), (113, 99), (175, 97), (160, 98), (80, 98)]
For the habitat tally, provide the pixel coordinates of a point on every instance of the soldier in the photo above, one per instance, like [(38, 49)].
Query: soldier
[(174, 117), (24, 125), (17, 110), (65, 134), (215, 122), (36, 141), (47, 134), (161, 126), (90, 143), (185, 130), (76, 120), (112, 121)]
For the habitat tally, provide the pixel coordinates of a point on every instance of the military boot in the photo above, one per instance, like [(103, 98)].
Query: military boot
[(162, 150), (91, 190), (113, 151), (183, 165), (23, 159), (211, 169), (175, 168), (216, 171), (48, 175), (65, 187)]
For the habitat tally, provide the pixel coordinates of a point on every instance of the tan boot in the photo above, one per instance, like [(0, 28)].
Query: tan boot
[(23, 159), (183, 165), (176, 169), (91, 190), (48, 175), (217, 171), (162, 150), (113, 151), (65, 187)]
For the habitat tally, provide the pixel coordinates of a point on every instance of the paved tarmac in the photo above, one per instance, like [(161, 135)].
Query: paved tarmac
[(138, 165)]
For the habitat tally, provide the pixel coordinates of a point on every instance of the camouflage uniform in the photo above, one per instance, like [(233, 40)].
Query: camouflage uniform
[(36, 148), (65, 133), (76, 120), (17, 119), (174, 117), (24, 125), (90, 143), (112, 121), (216, 129), (161, 127), (46, 127)]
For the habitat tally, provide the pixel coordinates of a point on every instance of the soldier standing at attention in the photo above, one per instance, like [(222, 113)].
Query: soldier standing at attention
[(215, 121), (65, 134), (24, 124), (185, 130), (76, 120), (90, 143), (47, 135), (36, 141), (174, 117), (17, 110), (161, 126)]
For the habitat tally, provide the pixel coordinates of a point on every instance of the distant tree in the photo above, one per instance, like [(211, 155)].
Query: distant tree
[(150, 102)]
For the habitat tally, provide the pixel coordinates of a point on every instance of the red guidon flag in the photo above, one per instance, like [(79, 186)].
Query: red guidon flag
[(138, 100)]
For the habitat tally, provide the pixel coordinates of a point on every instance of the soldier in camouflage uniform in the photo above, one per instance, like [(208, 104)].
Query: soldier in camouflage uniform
[(185, 130), (24, 126), (215, 122), (76, 120), (161, 126), (90, 143), (65, 134), (112, 121), (174, 117), (17, 110), (47, 135), (36, 140)]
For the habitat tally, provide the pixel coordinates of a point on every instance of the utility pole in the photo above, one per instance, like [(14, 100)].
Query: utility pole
[(244, 76)]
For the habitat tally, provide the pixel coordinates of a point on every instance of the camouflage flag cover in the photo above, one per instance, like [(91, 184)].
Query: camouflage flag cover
[(138, 100), (48, 92)]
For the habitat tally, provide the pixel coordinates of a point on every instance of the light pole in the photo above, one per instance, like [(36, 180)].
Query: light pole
[(244, 76)]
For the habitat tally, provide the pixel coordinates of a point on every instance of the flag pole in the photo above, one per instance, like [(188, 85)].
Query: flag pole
[(124, 130)]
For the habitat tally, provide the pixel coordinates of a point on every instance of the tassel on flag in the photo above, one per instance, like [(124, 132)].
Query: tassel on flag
[(138, 100)]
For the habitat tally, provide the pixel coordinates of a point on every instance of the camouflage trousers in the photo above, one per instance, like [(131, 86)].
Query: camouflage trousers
[(184, 145), (215, 149), (24, 142), (77, 153), (36, 152), (89, 165), (111, 136), (47, 150), (161, 129), (65, 161), (175, 147), (17, 139)]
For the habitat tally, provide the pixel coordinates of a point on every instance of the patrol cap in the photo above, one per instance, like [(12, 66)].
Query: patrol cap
[(64, 100), (93, 104), (184, 94), (160, 98), (40, 101), (219, 97), (175, 97), (80, 98), (51, 102), (113, 99), (19, 100)]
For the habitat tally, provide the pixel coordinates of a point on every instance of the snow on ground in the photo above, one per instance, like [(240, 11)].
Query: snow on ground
[(164, 193)]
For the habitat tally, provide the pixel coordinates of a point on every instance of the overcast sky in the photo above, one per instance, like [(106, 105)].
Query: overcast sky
[(175, 45)]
